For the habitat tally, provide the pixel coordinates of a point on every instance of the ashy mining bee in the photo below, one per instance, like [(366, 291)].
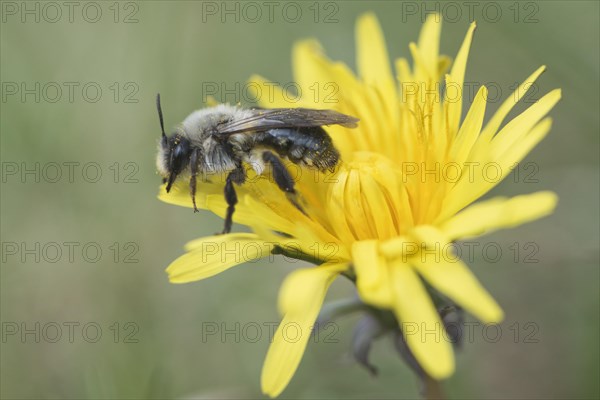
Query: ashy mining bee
[(219, 139)]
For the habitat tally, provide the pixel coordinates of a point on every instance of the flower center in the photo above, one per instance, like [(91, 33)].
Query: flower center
[(368, 199)]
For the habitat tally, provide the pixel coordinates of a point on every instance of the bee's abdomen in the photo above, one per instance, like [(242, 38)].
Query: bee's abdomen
[(311, 147)]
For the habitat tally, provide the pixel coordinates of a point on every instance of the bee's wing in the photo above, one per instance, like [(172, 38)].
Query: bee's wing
[(275, 118)]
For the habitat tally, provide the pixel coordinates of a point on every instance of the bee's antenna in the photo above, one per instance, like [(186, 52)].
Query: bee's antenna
[(160, 116)]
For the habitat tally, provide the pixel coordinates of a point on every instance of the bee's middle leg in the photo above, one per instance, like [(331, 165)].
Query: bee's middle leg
[(237, 176), (282, 177)]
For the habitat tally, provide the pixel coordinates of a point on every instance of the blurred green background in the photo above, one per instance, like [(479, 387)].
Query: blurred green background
[(137, 49)]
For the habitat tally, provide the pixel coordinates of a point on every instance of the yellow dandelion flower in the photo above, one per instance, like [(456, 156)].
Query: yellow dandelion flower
[(402, 192)]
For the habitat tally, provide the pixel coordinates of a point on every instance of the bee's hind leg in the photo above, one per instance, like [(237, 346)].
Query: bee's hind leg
[(237, 176), (282, 177)]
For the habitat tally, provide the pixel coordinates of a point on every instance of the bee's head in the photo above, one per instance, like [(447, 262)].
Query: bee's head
[(174, 152)]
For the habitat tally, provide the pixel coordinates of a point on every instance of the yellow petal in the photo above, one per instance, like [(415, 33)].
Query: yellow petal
[(379, 94), (211, 255), (444, 63), (455, 79), (429, 43), (262, 214), (372, 274), (420, 238), (522, 124), (268, 94), (300, 300), (403, 73), (310, 72), (420, 322), (492, 126), (372, 57), (180, 194), (397, 246), (468, 190), (470, 128), (211, 101), (422, 73), (516, 154), (498, 213), (428, 235), (353, 206), (209, 196), (377, 206), (335, 208), (460, 64), (452, 277)]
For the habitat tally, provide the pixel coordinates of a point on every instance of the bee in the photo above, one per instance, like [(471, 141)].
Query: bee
[(221, 138)]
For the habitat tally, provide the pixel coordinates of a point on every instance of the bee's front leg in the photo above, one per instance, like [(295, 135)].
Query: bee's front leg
[(194, 167)]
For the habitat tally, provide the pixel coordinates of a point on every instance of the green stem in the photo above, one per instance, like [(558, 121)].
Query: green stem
[(432, 389), (335, 309)]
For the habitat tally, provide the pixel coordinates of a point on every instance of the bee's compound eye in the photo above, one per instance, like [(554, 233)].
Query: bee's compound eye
[(180, 150), (180, 154)]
